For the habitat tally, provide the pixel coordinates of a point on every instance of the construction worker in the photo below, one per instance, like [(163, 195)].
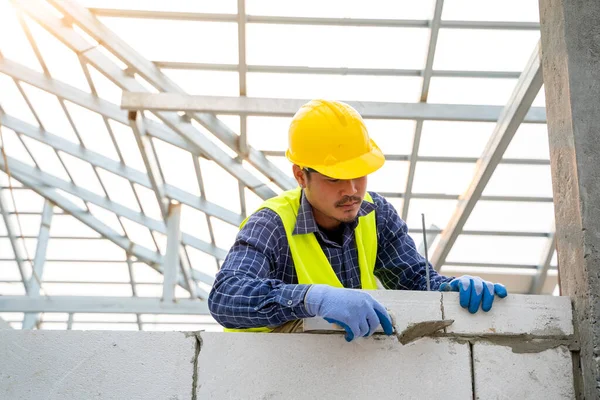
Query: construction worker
[(302, 253)]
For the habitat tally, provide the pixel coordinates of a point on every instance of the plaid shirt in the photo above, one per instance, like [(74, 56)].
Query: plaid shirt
[(257, 284)]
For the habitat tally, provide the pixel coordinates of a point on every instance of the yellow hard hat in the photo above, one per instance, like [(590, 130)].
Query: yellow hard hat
[(331, 138)]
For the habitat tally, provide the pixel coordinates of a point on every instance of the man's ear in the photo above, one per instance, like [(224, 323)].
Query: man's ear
[(299, 175)]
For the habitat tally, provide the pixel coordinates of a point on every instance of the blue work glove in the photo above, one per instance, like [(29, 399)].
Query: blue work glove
[(355, 311), (474, 291)]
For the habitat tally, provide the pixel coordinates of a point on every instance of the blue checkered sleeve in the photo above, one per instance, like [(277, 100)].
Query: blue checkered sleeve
[(399, 265), (249, 290)]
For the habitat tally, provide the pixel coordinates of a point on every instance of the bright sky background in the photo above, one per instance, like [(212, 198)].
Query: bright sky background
[(282, 45)]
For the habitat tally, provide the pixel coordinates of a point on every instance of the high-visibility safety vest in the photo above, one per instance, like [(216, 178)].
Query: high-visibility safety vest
[(311, 263)]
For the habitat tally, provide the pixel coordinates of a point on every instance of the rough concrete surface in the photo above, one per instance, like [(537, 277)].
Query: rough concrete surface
[(301, 366), (502, 374), (513, 315), (571, 62), (96, 365), (407, 307)]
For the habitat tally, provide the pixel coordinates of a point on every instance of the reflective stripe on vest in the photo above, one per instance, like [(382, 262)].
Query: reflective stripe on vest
[(310, 262)]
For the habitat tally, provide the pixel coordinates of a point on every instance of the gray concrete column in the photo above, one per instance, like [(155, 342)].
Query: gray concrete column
[(571, 69)]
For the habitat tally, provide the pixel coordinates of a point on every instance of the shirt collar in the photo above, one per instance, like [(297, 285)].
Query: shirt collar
[(305, 222)]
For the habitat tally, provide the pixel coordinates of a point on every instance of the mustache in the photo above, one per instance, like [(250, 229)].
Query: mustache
[(348, 200)]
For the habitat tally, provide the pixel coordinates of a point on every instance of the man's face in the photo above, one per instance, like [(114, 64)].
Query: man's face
[(333, 200)]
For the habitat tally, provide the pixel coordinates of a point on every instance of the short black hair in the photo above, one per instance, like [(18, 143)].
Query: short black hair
[(308, 172)]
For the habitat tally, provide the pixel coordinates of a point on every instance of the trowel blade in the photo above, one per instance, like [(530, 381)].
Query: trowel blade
[(421, 329)]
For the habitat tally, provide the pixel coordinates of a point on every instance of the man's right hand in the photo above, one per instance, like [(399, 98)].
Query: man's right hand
[(356, 311)]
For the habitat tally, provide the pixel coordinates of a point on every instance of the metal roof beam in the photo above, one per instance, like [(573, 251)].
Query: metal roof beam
[(157, 182), (44, 185), (131, 174), (39, 12), (148, 153), (540, 279), (12, 235), (267, 19), (30, 320), (427, 73), (288, 107), (171, 264), (298, 69), (42, 180), (527, 88), (143, 254), (146, 69)]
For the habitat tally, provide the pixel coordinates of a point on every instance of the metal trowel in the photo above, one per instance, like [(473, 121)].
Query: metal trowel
[(420, 329)]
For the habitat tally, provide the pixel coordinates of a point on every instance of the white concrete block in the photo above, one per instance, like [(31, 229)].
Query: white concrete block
[(96, 365), (502, 374), (407, 307), (321, 366), (516, 314)]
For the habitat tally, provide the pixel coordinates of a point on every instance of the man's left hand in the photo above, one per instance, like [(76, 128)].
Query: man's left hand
[(475, 291)]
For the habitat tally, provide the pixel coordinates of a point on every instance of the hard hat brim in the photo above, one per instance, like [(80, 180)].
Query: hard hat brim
[(354, 168)]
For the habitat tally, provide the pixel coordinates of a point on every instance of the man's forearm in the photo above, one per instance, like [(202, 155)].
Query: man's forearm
[(250, 303)]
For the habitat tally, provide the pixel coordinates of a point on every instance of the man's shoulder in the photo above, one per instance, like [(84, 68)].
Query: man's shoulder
[(264, 218), (264, 231), (264, 223)]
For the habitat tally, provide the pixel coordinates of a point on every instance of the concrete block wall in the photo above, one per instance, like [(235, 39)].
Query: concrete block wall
[(70, 365), (522, 349)]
